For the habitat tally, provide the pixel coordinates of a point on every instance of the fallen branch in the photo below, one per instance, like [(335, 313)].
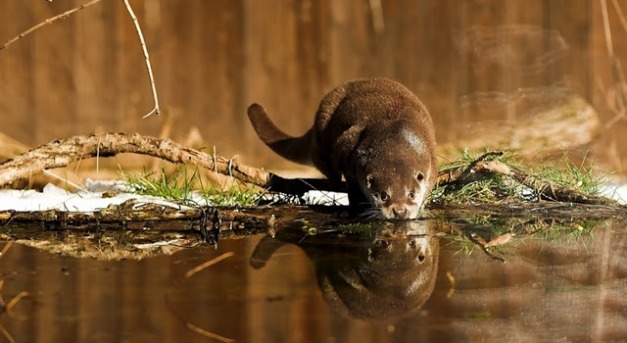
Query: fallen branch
[(546, 190), (484, 167), (60, 153)]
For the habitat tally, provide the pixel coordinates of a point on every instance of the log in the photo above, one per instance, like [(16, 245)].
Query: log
[(60, 153)]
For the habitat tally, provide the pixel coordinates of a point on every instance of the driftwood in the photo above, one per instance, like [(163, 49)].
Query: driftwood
[(60, 153)]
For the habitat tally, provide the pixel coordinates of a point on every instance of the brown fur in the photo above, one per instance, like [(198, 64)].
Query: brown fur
[(376, 134)]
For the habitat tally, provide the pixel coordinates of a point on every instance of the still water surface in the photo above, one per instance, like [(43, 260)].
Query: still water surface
[(407, 284)]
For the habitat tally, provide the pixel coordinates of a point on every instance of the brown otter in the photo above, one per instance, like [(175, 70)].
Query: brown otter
[(374, 132)]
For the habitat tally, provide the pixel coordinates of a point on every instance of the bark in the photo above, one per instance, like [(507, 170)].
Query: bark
[(60, 153)]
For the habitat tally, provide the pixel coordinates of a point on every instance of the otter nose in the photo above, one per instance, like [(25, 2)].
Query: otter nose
[(400, 213)]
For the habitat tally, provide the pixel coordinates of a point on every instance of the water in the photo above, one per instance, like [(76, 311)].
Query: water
[(425, 282)]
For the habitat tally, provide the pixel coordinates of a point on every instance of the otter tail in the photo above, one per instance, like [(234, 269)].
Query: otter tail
[(295, 149)]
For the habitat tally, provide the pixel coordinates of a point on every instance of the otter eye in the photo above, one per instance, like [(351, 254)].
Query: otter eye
[(420, 177), (383, 196), (411, 195)]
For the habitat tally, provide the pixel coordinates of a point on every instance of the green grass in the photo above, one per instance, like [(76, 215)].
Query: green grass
[(178, 186), (182, 184), (235, 196), (565, 173), (491, 190), (498, 188)]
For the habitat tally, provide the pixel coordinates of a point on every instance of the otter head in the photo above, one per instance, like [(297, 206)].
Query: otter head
[(397, 176), (397, 192)]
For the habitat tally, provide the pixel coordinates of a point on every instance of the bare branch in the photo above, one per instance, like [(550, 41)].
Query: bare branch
[(60, 153), (48, 21)]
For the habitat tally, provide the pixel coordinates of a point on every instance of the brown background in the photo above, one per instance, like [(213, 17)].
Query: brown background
[(470, 61)]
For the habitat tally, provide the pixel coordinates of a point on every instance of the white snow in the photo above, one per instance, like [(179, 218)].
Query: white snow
[(615, 191), (326, 198), (53, 197)]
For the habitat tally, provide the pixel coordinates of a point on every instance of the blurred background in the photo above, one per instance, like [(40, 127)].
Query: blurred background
[(541, 76), (533, 75)]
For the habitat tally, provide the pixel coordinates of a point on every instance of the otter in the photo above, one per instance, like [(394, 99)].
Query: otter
[(373, 132)]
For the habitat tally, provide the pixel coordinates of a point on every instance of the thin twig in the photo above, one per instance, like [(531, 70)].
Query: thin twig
[(376, 10), (98, 158), (208, 264), (4, 251), (156, 109), (9, 306), (63, 179), (621, 16), (606, 27), (207, 333), (48, 21), (474, 238), (6, 334)]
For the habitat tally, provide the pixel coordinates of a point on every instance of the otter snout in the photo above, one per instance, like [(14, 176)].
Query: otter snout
[(400, 213)]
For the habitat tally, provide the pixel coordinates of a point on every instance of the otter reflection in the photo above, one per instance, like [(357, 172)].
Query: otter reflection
[(367, 276)]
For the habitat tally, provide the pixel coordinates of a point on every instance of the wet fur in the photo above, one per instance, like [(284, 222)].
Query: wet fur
[(376, 134)]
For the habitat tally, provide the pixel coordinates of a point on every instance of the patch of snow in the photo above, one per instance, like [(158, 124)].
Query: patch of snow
[(326, 198), (53, 197), (615, 191), (106, 185)]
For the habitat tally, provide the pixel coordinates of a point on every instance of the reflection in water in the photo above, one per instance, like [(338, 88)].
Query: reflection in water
[(569, 284), (388, 274)]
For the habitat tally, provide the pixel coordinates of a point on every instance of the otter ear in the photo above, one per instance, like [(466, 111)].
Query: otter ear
[(369, 181), (362, 157), (420, 176)]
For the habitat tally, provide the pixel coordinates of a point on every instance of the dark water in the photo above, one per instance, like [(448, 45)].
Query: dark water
[(407, 284)]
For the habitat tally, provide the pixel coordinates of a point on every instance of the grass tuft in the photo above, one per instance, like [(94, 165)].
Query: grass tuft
[(187, 187), (567, 174), (498, 188)]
